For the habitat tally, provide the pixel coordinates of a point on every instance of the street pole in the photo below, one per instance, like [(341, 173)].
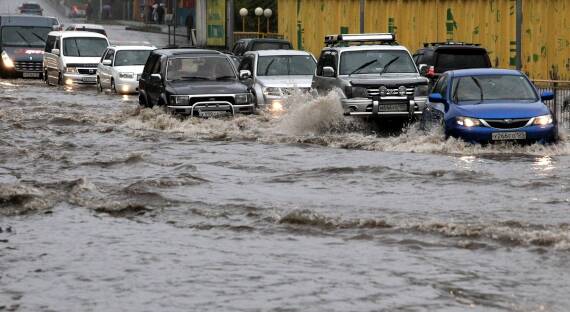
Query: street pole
[(519, 21), (100, 9), (362, 16)]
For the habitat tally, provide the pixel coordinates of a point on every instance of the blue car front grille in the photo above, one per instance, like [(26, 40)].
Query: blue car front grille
[(507, 123)]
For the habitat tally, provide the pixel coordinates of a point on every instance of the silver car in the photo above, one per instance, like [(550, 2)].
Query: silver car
[(275, 74), (374, 75)]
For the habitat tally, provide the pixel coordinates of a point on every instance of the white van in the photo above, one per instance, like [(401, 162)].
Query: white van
[(71, 57)]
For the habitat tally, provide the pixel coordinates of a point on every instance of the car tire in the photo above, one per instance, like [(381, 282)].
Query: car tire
[(46, 78), (113, 89), (60, 80), (99, 86)]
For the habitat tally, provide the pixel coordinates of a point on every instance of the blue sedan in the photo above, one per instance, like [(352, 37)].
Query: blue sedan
[(490, 105)]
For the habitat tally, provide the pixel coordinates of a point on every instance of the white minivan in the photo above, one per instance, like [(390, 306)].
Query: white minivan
[(71, 57)]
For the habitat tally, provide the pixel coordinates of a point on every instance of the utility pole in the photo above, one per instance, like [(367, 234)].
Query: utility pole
[(362, 2), (519, 21)]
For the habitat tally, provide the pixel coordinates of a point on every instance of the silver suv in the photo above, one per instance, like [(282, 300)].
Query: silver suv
[(375, 76)]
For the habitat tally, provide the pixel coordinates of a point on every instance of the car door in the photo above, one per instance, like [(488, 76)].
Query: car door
[(107, 72), (50, 64), (440, 87), (321, 83)]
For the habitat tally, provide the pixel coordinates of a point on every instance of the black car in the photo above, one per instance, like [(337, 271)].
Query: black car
[(22, 42), (196, 82), (256, 44), (31, 8), (438, 57)]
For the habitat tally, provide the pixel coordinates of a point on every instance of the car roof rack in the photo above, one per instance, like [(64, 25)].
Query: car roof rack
[(460, 43), (347, 39)]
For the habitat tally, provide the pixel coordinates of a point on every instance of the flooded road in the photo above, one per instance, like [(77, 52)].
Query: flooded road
[(105, 206)]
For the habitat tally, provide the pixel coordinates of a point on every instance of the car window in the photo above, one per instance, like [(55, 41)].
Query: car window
[(156, 66), (328, 58), (492, 87), (50, 43), (149, 63), (441, 85), (25, 36), (131, 57), (199, 68), (449, 59), (247, 63), (376, 61), (283, 65), (110, 55), (84, 46), (270, 46)]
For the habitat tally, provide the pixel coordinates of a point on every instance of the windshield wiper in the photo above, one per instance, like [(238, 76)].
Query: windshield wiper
[(479, 86), (268, 65), (225, 77), (388, 64), (24, 38), (39, 37), (192, 78), (363, 66)]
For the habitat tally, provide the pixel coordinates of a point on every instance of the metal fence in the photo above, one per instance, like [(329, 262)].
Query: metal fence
[(560, 105)]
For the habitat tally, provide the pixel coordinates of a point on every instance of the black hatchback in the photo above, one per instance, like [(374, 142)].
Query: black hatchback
[(195, 82), (438, 57)]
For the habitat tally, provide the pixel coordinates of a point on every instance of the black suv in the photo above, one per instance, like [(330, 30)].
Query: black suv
[(195, 82), (31, 8), (438, 57), (256, 44)]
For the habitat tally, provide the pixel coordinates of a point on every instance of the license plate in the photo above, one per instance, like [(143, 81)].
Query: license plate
[(393, 107), (31, 75), (89, 79), (499, 136), (212, 113)]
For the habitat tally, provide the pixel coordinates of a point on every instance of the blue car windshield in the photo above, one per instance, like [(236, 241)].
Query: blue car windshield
[(492, 88)]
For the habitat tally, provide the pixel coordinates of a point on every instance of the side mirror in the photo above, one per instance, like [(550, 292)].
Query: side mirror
[(547, 96), (423, 68), (244, 74), (155, 77), (436, 98), (328, 71), (55, 51), (107, 62)]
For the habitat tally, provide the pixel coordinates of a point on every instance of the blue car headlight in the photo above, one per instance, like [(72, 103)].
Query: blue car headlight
[(543, 120), (468, 122)]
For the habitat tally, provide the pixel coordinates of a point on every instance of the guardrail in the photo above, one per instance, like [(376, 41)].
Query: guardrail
[(560, 105)]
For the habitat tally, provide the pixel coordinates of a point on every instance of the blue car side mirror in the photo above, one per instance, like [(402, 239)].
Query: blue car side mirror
[(547, 95), (436, 98)]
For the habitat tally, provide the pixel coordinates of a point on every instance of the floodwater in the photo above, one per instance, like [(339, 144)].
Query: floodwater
[(104, 206)]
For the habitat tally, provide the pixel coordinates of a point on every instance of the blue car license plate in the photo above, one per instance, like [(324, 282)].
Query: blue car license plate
[(500, 136)]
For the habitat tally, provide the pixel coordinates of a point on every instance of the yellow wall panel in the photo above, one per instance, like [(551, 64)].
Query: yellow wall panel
[(492, 23)]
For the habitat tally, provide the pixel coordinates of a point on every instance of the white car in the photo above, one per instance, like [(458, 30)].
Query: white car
[(87, 27), (121, 67), (277, 73), (71, 57)]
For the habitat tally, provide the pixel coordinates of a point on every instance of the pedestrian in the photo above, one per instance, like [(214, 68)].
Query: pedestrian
[(189, 27), (155, 12), (88, 10), (160, 12)]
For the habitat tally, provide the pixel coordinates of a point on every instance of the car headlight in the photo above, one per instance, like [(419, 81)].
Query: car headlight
[(422, 90), (543, 120), (126, 75), (180, 100), (468, 122), (7, 60), (272, 91), (71, 70), (355, 92), (242, 98)]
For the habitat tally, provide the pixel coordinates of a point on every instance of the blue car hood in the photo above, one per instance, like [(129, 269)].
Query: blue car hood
[(499, 110)]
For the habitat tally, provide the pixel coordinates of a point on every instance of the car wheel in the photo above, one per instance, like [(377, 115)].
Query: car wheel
[(99, 86), (113, 89), (60, 79), (46, 78)]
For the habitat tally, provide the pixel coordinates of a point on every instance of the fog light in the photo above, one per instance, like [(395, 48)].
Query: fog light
[(69, 82), (125, 89), (276, 106)]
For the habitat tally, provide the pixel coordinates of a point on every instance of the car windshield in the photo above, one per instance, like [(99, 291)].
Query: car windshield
[(25, 36), (492, 88), (457, 59), (285, 65), (376, 62), (30, 6), (257, 46), (200, 68), (84, 47), (131, 57)]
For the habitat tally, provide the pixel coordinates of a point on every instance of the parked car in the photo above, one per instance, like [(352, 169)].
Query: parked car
[(256, 44), (22, 39), (31, 8), (436, 58), (71, 57), (489, 105), (121, 67), (87, 27), (375, 76), (195, 82), (277, 73)]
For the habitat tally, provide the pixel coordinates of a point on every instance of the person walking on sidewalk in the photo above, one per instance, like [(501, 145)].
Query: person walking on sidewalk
[(88, 10), (189, 27)]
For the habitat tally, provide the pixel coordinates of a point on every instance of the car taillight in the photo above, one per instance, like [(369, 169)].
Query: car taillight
[(431, 72)]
